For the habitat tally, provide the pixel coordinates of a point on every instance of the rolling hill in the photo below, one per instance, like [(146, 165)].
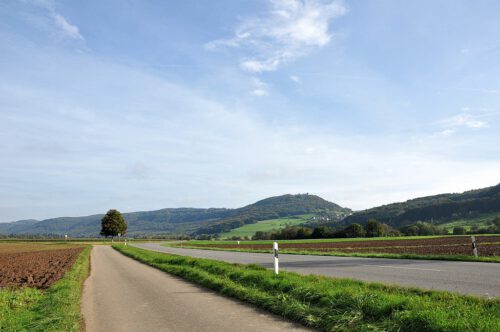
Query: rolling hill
[(436, 209), (274, 208), (180, 220), (160, 222)]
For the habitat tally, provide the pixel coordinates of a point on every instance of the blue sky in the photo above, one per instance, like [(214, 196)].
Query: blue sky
[(141, 105)]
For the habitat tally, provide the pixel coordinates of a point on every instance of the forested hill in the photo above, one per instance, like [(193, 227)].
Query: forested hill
[(437, 209), (181, 220), (159, 222), (275, 207)]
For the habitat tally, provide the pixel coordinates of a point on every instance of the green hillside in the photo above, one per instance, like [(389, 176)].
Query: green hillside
[(437, 209), (480, 221), (249, 230), (275, 208)]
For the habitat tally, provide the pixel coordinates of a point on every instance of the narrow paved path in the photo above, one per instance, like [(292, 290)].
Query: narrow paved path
[(123, 295), (463, 277)]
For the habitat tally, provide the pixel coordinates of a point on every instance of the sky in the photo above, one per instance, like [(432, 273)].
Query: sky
[(142, 105)]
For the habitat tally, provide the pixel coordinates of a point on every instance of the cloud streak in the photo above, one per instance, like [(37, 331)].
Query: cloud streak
[(64, 26), (464, 120), (290, 30)]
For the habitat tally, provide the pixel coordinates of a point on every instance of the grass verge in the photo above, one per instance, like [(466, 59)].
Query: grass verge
[(330, 304), (54, 309), (489, 259)]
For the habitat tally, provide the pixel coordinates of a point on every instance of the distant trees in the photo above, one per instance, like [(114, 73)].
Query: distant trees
[(459, 230), (113, 224), (493, 227), (374, 228), (324, 232), (354, 230), (422, 228)]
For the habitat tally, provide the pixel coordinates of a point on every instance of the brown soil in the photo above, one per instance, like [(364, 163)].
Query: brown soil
[(21, 246), (484, 250), (487, 246), (35, 269)]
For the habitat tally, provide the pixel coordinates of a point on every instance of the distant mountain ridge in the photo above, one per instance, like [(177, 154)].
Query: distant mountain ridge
[(437, 209), (161, 222), (177, 220)]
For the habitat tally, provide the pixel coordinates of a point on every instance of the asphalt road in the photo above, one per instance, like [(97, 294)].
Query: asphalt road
[(463, 277), (123, 295)]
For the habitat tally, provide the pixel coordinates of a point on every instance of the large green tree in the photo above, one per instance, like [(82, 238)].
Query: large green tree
[(354, 230), (113, 224), (374, 228)]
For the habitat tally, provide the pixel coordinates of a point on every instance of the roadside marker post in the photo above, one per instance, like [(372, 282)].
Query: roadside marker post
[(474, 247), (276, 262)]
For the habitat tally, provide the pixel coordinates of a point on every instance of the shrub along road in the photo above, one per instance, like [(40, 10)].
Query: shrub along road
[(122, 294), (463, 277)]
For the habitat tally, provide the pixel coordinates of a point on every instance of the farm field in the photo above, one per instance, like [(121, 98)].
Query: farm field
[(40, 285), (266, 226), (427, 247), (38, 269), (22, 246)]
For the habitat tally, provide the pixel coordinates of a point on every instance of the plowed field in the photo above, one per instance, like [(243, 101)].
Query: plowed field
[(38, 269), (487, 246)]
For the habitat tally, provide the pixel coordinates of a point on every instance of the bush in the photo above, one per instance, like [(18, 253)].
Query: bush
[(459, 230), (374, 229)]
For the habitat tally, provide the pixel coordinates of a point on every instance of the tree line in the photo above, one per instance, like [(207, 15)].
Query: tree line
[(372, 228)]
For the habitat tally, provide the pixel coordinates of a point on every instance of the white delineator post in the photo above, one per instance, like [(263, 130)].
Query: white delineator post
[(474, 247), (276, 263)]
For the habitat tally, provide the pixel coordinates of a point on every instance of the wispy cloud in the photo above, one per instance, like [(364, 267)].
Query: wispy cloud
[(290, 30), (463, 120), (68, 29), (64, 26), (295, 78), (260, 88)]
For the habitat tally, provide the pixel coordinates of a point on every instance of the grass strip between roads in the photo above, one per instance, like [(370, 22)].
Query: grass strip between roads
[(486, 259), (331, 304), (53, 309)]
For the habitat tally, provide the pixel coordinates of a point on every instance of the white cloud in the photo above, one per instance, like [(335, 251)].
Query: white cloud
[(260, 88), (64, 26), (294, 78), (290, 30), (446, 132), (68, 29), (463, 120)]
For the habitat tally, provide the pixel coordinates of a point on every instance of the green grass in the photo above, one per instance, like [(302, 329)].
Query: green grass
[(467, 223), (489, 259), (324, 240), (54, 309), (266, 226), (330, 304)]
